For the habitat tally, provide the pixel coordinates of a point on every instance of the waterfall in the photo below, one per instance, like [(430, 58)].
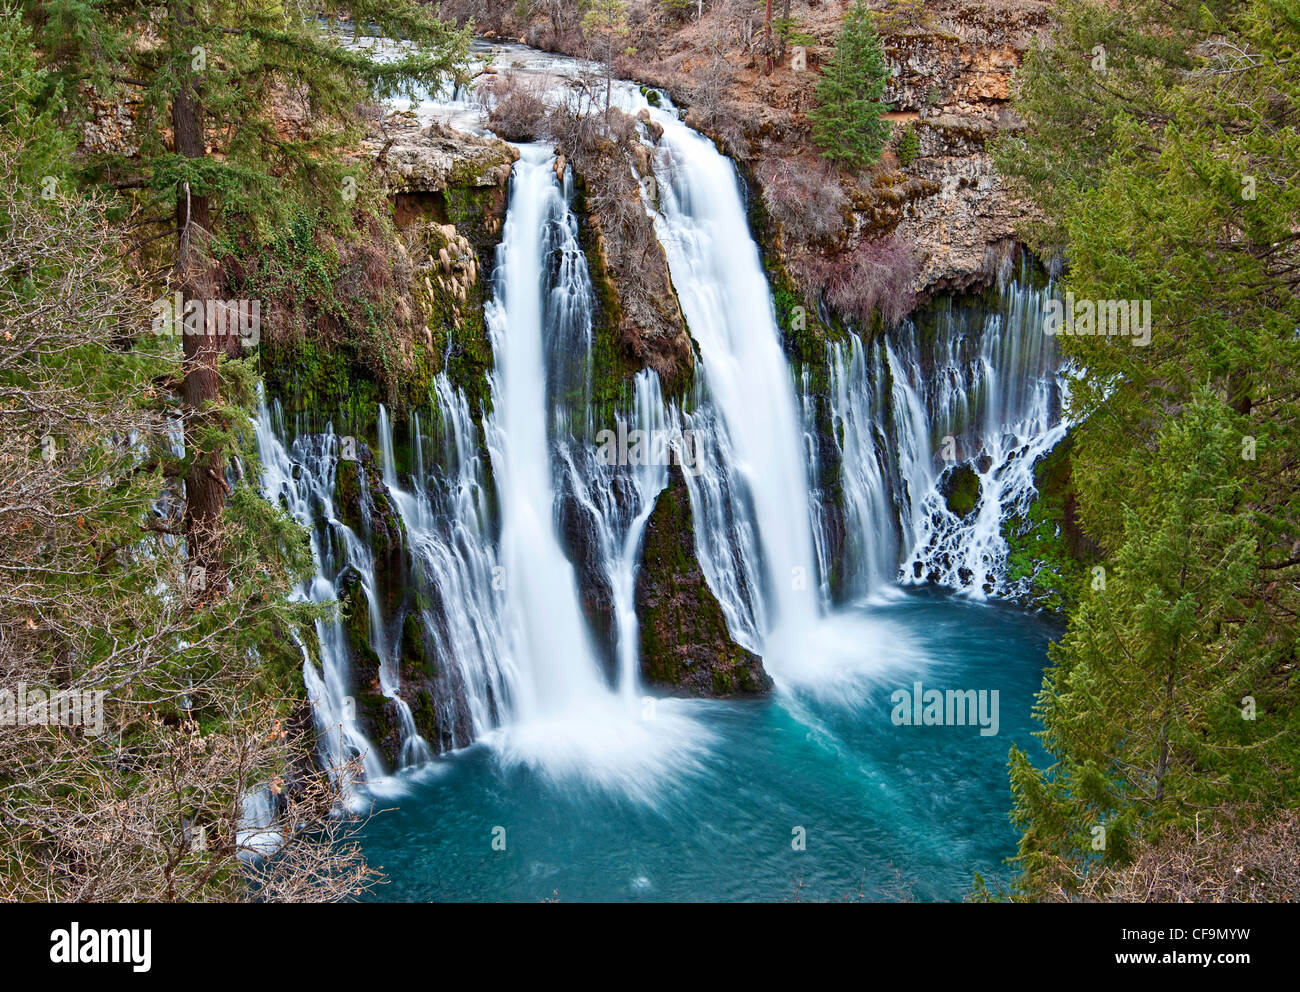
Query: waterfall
[(567, 719), (302, 480), (522, 544), (726, 535), (616, 502), (557, 662), (724, 295), (444, 508), (985, 393)]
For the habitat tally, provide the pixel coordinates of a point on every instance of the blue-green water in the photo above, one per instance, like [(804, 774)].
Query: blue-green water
[(888, 811)]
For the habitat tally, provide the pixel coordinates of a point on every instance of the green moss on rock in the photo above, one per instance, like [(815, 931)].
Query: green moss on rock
[(685, 644), (960, 488), (1049, 555)]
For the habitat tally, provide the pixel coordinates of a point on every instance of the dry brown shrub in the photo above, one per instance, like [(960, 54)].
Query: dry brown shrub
[(873, 277), (805, 199), (1237, 856)]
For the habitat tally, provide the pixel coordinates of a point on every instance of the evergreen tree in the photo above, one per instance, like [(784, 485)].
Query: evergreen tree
[(97, 600), (172, 601), (239, 115), (847, 122), (1159, 146)]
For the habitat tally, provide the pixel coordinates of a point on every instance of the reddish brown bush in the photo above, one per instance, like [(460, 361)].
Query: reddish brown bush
[(806, 200), (874, 277)]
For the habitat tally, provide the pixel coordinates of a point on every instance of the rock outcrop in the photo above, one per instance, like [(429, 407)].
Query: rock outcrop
[(952, 63), (954, 73), (411, 157), (639, 321), (685, 645)]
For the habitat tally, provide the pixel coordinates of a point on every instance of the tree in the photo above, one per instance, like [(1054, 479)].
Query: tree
[(605, 24), (171, 601), (848, 123), (1159, 144), (258, 101), (140, 796)]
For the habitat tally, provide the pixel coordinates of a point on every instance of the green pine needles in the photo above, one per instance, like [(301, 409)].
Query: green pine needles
[(848, 123)]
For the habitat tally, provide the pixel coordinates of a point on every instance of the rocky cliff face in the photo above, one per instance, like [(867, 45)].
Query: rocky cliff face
[(413, 158), (954, 73), (953, 63), (685, 645), (639, 311), (448, 190), (638, 323), (351, 321)]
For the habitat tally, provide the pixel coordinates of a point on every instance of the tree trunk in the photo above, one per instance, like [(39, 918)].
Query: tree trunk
[(769, 48), (785, 19), (205, 485), (1167, 717)]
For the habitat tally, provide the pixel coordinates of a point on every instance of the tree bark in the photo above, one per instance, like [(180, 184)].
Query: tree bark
[(785, 19), (205, 487), (769, 48)]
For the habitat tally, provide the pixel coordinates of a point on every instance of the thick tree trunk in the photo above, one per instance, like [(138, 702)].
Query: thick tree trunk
[(205, 486)]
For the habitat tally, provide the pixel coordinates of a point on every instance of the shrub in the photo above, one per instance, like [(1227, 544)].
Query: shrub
[(1240, 855), (515, 107), (902, 15), (806, 201), (874, 277), (909, 145)]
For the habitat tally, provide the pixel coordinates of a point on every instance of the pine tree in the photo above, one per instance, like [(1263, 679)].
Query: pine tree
[(847, 122), (1158, 146), (196, 698)]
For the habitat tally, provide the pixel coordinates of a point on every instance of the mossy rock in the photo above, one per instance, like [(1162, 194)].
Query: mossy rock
[(356, 622), (1049, 555), (347, 494), (416, 662), (457, 333), (960, 488), (685, 644)]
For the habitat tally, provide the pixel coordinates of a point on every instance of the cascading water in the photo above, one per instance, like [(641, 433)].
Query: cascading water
[(614, 502), (726, 536), (444, 508), (557, 664), (985, 394), (504, 591), (498, 598), (302, 479), (521, 545), (567, 719), (724, 295)]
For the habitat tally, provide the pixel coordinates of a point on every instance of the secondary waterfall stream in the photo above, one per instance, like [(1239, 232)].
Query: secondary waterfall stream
[(567, 719), (728, 308), (525, 688)]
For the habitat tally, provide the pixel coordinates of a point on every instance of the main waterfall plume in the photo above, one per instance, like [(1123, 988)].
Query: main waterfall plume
[(724, 294)]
